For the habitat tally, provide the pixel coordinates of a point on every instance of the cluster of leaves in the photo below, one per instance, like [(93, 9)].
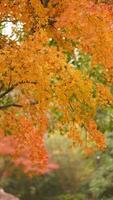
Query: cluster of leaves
[(26, 147)]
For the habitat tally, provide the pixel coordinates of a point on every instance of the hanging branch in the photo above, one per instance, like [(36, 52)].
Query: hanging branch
[(10, 105), (15, 85), (2, 107)]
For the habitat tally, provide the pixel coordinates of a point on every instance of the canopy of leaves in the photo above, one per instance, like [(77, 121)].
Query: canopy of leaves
[(47, 83)]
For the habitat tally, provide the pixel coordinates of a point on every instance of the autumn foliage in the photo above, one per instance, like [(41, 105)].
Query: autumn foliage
[(45, 71)]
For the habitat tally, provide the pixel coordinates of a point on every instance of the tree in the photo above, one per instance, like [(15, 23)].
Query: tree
[(47, 82), (101, 182)]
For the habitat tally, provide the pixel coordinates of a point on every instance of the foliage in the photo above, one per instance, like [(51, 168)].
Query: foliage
[(67, 181), (69, 197), (102, 180), (79, 176), (44, 69)]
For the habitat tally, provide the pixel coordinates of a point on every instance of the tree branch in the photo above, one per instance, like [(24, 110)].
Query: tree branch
[(10, 105), (24, 82), (6, 92), (45, 3), (15, 85)]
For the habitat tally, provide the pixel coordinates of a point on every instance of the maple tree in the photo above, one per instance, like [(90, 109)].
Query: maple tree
[(46, 81)]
